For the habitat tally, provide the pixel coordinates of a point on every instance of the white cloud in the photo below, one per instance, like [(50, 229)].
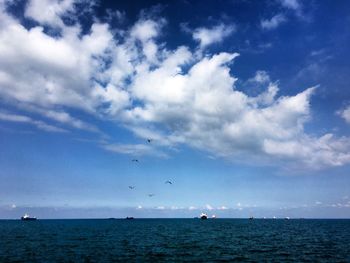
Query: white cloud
[(14, 117), (146, 31), (209, 207), (172, 96), (216, 34), (119, 16), (133, 149), (48, 11), (292, 4), (62, 117), (345, 114), (340, 205), (59, 71), (267, 97), (65, 117), (260, 77), (273, 23), (5, 116), (313, 152), (296, 6)]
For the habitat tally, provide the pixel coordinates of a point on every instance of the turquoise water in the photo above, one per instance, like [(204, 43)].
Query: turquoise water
[(159, 240)]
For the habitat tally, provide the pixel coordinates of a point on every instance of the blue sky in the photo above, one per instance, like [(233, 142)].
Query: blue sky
[(246, 104)]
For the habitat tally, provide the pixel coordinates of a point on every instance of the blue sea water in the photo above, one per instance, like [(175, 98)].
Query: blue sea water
[(175, 240)]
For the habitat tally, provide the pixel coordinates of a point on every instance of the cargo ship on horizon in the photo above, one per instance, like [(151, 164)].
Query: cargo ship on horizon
[(26, 217)]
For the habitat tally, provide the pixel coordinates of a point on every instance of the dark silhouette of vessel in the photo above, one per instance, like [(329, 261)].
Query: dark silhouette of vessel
[(26, 217), (203, 216)]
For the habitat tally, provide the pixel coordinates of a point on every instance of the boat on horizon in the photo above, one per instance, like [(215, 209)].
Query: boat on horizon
[(129, 217), (203, 216), (26, 217)]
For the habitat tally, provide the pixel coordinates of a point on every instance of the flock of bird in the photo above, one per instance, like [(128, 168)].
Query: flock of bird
[(150, 195), (132, 187)]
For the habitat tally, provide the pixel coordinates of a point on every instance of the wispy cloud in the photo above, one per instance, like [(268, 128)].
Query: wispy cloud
[(216, 34), (296, 6), (5, 116), (133, 149), (292, 4), (273, 22), (345, 114), (260, 77), (209, 207), (60, 116)]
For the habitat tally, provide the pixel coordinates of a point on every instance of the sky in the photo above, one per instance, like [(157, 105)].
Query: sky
[(243, 105)]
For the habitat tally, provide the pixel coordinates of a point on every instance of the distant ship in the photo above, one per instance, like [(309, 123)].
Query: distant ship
[(203, 216), (213, 216), (129, 217), (251, 218), (26, 217)]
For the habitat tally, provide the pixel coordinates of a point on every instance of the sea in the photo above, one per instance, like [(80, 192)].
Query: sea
[(175, 240)]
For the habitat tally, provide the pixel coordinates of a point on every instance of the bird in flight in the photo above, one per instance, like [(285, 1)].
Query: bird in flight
[(131, 186), (149, 140), (150, 195), (168, 182), (135, 160)]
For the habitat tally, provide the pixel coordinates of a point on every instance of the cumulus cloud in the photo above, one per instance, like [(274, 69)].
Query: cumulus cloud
[(216, 34), (145, 31), (345, 114), (48, 11), (174, 96), (273, 22)]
